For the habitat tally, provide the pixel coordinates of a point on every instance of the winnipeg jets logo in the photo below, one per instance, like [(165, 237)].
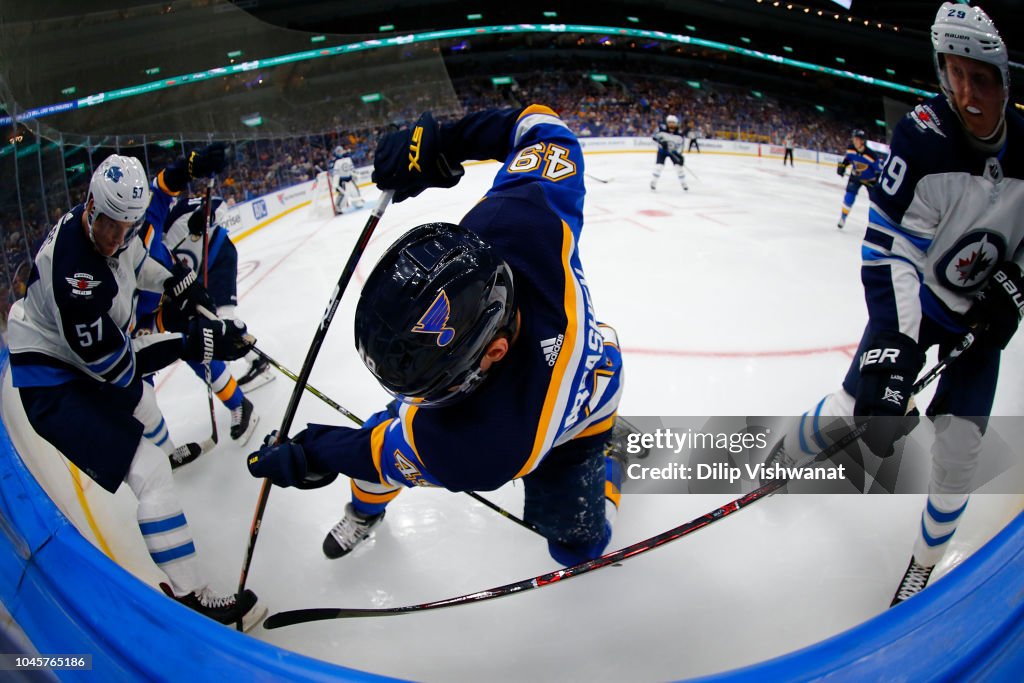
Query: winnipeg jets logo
[(892, 396), (114, 173), (551, 348), (965, 267), (435, 320), (82, 284)]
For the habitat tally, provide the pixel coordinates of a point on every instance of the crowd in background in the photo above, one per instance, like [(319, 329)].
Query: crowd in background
[(626, 104)]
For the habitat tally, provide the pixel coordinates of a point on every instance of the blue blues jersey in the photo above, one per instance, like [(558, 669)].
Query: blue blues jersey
[(944, 212), (562, 377), (865, 165)]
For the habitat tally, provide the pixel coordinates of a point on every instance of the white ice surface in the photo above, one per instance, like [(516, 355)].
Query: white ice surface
[(737, 297)]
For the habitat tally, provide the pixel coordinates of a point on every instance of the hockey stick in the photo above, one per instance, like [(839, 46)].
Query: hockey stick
[(307, 368), (600, 180), (207, 369), (352, 416), (299, 616)]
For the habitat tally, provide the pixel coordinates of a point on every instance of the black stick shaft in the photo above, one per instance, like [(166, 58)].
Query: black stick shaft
[(307, 368), (299, 616)]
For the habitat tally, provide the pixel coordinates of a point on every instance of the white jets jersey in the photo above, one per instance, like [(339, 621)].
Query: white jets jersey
[(671, 141), (943, 215), (343, 168), (79, 310)]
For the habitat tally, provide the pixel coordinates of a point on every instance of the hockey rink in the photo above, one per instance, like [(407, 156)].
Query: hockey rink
[(738, 297)]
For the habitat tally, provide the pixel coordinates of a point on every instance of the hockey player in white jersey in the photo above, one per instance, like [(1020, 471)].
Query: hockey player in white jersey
[(346, 193), (79, 370), (670, 146), (942, 254)]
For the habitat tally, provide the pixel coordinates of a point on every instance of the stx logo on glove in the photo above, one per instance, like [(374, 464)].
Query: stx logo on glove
[(414, 149), (873, 356), (1011, 289)]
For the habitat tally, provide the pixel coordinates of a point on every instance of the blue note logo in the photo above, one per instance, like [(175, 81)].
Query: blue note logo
[(435, 320), (114, 173)]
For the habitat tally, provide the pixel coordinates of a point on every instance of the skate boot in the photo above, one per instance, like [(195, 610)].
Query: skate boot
[(183, 455), (683, 183), (841, 223), (243, 423), (257, 375), (654, 185), (226, 609), (913, 582), (353, 528)]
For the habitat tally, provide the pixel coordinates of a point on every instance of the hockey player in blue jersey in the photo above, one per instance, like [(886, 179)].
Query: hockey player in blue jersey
[(864, 164), (182, 236), (485, 332), (79, 370), (670, 146), (942, 255)]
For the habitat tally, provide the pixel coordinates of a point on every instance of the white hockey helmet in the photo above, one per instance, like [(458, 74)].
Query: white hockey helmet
[(340, 151), (672, 120), (968, 32), (119, 190)]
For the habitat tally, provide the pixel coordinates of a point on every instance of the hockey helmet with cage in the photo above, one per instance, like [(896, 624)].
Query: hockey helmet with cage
[(119, 189), (428, 312), (968, 32), (672, 120)]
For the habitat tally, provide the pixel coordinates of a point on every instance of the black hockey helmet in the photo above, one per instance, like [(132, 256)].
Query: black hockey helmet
[(433, 303), (859, 133)]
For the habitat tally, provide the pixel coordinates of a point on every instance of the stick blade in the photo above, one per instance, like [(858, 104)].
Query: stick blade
[(301, 616)]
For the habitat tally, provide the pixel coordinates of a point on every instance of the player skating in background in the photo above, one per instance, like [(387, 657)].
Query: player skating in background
[(787, 143), (942, 255), (670, 146), (486, 334), (865, 165), (79, 371), (345, 191)]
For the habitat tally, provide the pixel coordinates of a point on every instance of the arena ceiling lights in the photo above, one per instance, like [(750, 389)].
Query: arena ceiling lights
[(321, 52)]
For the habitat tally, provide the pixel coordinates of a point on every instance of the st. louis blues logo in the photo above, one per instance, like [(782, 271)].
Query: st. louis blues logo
[(114, 173), (82, 284), (434, 321)]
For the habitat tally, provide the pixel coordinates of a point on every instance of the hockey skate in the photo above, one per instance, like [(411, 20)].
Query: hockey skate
[(654, 185), (226, 609), (913, 582), (257, 375), (243, 422), (352, 530), (618, 442), (185, 454), (841, 222), (685, 186)]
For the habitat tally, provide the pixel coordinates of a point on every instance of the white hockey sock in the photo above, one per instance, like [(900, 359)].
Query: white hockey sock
[(154, 428), (161, 520)]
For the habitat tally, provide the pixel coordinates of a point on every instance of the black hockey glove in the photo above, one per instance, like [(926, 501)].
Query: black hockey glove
[(207, 340), (841, 170), (999, 306), (888, 369), (201, 163), (676, 156), (197, 221), (410, 161), (285, 464), (185, 292)]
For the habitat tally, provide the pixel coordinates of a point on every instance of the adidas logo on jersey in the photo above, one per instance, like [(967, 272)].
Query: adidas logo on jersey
[(551, 348)]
